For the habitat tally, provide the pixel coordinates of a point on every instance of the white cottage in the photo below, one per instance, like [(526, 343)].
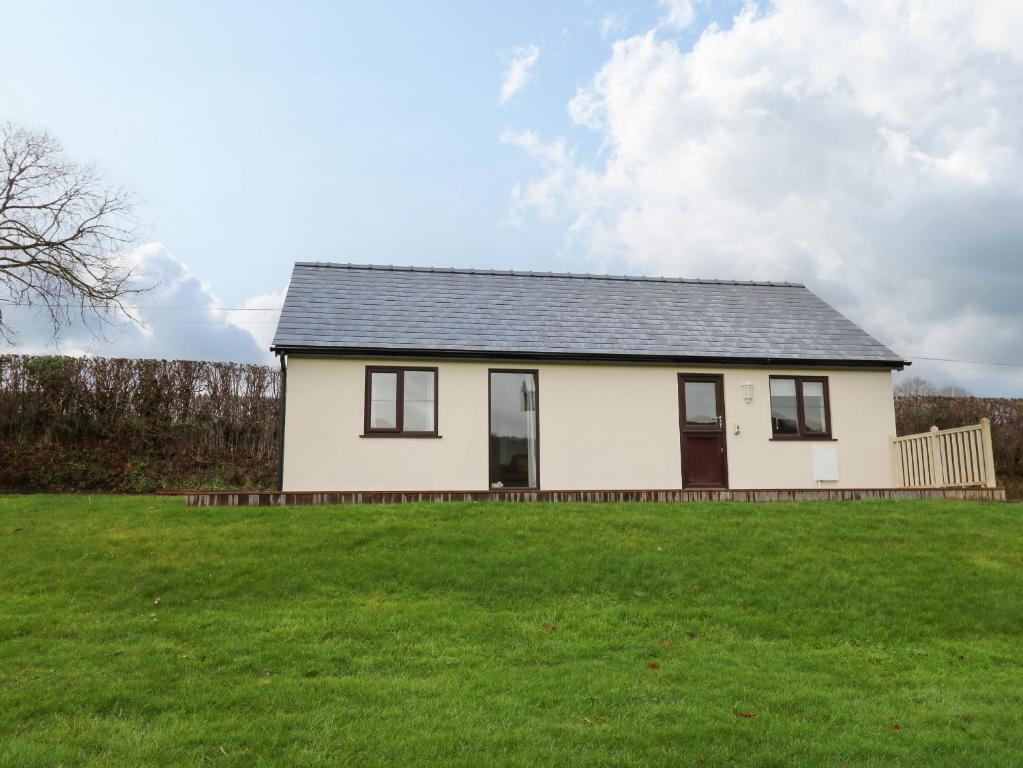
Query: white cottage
[(415, 379)]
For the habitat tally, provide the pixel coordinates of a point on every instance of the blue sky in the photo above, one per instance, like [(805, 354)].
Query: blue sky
[(260, 133), (813, 143)]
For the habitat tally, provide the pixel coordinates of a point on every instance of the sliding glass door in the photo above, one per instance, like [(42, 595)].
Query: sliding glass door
[(514, 430)]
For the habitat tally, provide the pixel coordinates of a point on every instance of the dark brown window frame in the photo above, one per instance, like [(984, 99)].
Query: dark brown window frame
[(800, 413), (536, 389), (399, 407)]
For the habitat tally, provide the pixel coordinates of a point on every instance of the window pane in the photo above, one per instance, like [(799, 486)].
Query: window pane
[(383, 407), (513, 456), (814, 415), (701, 402), (419, 396), (784, 414)]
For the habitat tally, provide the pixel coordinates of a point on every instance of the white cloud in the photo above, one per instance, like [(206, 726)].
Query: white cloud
[(679, 14), (519, 70), (259, 316), (872, 149), (543, 195), (179, 318), (613, 23)]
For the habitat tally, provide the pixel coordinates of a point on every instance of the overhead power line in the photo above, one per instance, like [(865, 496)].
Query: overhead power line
[(172, 307), (188, 308), (969, 362)]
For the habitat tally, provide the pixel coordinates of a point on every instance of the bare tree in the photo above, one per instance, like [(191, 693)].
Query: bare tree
[(62, 232), (954, 390), (917, 386)]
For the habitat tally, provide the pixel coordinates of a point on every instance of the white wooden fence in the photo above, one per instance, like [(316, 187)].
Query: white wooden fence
[(945, 458)]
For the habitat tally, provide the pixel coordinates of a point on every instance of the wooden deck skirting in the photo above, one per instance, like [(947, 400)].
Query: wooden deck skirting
[(274, 499)]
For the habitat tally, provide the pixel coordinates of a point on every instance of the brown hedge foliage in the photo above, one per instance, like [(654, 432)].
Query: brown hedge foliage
[(87, 423), (917, 413)]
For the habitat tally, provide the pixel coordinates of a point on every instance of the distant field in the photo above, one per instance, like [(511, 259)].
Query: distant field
[(136, 632)]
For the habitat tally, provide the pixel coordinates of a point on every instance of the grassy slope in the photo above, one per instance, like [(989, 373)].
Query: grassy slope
[(859, 634)]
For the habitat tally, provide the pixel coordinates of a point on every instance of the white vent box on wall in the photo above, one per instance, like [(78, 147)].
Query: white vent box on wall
[(825, 464)]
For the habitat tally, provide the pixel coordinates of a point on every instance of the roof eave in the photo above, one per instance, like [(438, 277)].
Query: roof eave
[(479, 354)]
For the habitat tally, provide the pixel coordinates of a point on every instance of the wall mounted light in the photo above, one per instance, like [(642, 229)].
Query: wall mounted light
[(747, 392)]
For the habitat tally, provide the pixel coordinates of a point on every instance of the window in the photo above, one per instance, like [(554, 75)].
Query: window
[(401, 402), (800, 408), (514, 431), (701, 402)]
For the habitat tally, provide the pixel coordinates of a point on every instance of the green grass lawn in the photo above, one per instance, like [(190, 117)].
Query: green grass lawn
[(136, 632)]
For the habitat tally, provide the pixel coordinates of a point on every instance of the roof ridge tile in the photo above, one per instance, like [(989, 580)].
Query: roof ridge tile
[(533, 273)]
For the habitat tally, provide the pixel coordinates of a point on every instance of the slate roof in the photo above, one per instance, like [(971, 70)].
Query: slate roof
[(357, 308)]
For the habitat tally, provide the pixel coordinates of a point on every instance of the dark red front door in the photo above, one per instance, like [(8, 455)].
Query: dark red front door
[(702, 423)]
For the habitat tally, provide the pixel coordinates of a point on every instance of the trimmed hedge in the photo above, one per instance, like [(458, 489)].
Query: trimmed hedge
[(108, 424), (918, 413)]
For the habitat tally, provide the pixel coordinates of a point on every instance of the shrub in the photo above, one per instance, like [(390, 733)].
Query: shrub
[(917, 413), (91, 423)]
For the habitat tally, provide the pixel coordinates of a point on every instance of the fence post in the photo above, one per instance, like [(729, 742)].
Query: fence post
[(898, 481), (989, 452), (937, 464)]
